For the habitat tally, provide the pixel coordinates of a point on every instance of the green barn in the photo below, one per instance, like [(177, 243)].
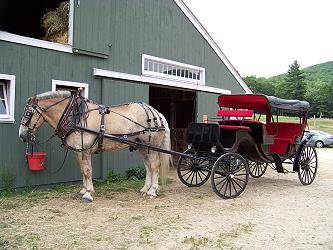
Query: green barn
[(118, 51)]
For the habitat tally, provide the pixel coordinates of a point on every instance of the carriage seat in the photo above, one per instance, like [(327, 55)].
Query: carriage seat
[(234, 113), (284, 133), (234, 127), (233, 121)]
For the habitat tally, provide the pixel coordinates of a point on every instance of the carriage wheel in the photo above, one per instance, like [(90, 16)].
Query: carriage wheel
[(257, 169), (307, 162), (272, 165), (193, 172), (230, 175)]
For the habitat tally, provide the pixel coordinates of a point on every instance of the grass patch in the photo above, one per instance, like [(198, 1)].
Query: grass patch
[(6, 182), (138, 217), (225, 238), (145, 234), (196, 243), (4, 244)]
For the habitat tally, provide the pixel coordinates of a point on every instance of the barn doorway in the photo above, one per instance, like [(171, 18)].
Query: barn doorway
[(179, 108)]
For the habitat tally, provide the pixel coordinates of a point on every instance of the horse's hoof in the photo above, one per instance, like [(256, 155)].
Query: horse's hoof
[(151, 194), (87, 198), (144, 190)]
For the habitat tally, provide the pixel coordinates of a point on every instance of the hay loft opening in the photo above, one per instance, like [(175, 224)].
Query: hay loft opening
[(40, 19)]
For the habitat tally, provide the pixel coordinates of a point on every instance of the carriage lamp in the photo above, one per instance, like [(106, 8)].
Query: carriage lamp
[(213, 149), (189, 146)]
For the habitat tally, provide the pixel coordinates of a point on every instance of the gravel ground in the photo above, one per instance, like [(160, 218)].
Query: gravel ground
[(274, 212)]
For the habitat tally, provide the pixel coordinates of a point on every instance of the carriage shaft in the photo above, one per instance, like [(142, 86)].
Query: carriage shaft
[(139, 144)]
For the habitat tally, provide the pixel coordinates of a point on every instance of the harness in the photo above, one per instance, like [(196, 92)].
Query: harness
[(74, 119)]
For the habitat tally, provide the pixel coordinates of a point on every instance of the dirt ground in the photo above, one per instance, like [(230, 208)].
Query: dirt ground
[(274, 212)]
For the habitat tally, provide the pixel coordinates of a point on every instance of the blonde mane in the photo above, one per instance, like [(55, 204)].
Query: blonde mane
[(53, 94)]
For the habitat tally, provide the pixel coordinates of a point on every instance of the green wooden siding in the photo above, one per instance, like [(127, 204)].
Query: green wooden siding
[(92, 27), (35, 69), (111, 35), (119, 92), (207, 105)]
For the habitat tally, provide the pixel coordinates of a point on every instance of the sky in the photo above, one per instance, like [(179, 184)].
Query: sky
[(264, 37)]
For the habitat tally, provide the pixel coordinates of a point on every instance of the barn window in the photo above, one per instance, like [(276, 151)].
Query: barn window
[(163, 68), (7, 98), (70, 86), (30, 22)]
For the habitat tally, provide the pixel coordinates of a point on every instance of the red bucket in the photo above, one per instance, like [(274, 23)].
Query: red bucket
[(36, 161)]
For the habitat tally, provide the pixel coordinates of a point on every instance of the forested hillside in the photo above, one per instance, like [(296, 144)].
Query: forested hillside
[(314, 85)]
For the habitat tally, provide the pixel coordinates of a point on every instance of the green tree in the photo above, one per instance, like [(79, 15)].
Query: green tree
[(320, 95), (260, 85), (295, 85)]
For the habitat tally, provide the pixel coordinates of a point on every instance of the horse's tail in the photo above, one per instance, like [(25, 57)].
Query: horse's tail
[(165, 159)]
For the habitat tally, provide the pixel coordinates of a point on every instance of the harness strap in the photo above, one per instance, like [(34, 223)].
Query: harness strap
[(102, 110)]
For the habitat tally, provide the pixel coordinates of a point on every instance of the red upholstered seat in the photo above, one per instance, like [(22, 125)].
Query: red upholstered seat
[(284, 133), (235, 113), (234, 127)]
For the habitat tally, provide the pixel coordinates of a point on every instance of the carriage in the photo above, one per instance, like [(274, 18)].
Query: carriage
[(239, 143), (235, 145)]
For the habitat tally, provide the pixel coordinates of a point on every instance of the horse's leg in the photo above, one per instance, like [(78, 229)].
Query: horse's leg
[(86, 170), (146, 187), (155, 164), (84, 182)]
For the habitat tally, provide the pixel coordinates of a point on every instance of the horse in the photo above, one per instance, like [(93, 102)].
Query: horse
[(69, 114)]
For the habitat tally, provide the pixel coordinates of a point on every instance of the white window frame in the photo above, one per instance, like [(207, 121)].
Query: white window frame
[(174, 66), (10, 102), (9, 37), (85, 86)]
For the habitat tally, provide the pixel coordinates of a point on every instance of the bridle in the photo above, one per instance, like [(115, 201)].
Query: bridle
[(30, 109)]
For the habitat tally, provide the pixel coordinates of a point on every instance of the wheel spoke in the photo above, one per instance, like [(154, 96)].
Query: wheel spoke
[(239, 169), (239, 179), (189, 171), (188, 177), (226, 187), (237, 184), (220, 181)]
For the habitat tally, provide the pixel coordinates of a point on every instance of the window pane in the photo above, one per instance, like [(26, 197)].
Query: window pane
[(155, 67), (190, 75), (160, 68), (2, 94), (198, 76), (165, 69), (178, 72), (194, 76), (186, 73), (146, 65), (174, 71), (150, 66), (3, 108), (183, 73)]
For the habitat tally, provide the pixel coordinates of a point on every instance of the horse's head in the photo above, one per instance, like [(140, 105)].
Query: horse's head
[(32, 120)]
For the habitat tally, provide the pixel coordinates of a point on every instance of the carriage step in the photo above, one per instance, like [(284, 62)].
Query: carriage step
[(278, 163)]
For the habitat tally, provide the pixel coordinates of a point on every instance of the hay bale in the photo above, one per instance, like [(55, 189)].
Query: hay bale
[(55, 23)]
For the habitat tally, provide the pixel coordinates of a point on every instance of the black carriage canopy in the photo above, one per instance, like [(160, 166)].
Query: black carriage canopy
[(261, 102)]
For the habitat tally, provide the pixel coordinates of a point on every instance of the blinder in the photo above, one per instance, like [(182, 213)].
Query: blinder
[(29, 111)]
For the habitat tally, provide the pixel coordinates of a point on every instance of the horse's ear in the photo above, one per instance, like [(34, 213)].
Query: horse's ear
[(32, 99)]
